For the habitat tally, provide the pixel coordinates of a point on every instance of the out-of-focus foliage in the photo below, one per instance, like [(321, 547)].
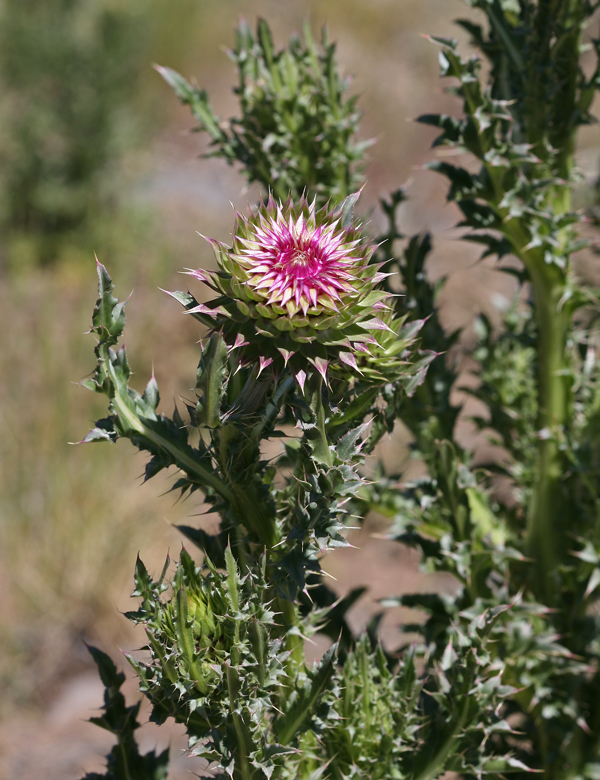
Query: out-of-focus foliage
[(297, 131), (69, 73)]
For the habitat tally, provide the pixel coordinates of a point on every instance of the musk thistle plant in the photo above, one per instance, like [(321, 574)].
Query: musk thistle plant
[(306, 341)]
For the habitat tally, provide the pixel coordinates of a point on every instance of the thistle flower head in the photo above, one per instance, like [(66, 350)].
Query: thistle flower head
[(291, 263), (296, 287)]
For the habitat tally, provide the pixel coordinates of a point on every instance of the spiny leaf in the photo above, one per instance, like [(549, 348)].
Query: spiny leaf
[(290, 723), (109, 315), (346, 209), (346, 447), (233, 580), (211, 382)]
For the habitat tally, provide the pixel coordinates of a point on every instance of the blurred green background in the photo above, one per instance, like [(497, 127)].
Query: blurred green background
[(96, 156)]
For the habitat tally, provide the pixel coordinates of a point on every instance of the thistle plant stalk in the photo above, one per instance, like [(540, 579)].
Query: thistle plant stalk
[(547, 524), (294, 640)]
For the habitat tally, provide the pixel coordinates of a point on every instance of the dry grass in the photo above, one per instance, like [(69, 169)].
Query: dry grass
[(72, 518)]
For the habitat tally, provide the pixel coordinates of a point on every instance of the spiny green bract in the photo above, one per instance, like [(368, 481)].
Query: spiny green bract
[(380, 721), (372, 722)]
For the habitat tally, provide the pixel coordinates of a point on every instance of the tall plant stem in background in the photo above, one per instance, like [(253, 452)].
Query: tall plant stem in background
[(546, 526), (547, 518), (546, 523), (551, 140)]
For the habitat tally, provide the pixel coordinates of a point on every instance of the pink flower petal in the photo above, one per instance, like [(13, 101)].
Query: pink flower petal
[(264, 363), (300, 377), (286, 354), (321, 365), (300, 262), (349, 359)]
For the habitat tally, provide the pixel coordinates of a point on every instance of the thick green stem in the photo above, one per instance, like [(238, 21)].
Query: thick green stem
[(546, 522), (255, 513), (269, 415), (242, 767), (317, 436), (294, 642), (125, 763)]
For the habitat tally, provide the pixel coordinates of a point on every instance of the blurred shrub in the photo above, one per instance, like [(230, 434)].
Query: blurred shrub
[(69, 73)]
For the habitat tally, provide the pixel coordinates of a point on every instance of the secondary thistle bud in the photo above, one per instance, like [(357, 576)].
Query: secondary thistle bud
[(296, 288), (202, 619)]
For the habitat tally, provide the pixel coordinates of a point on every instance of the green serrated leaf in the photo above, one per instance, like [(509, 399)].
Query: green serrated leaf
[(346, 447), (346, 209), (233, 580), (111, 678), (289, 724), (212, 544), (356, 409), (108, 319), (212, 372)]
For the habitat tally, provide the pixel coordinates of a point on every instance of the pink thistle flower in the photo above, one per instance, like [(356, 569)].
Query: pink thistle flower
[(296, 291), (297, 265)]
